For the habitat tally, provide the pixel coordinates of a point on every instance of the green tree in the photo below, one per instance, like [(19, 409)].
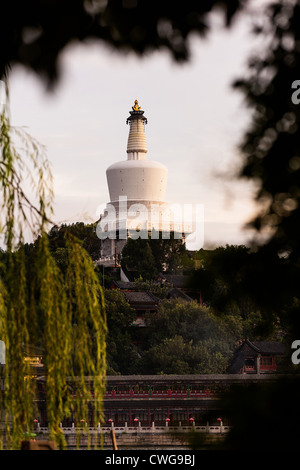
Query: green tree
[(137, 257), (233, 279), (169, 254), (122, 354), (69, 304), (86, 233), (211, 357), (176, 355), (270, 150), (189, 320), (168, 357), (186, 338)]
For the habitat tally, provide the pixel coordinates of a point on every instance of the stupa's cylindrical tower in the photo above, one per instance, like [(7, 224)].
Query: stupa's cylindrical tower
[(138, 179)]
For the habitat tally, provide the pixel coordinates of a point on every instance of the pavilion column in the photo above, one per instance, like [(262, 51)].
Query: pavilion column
[(258, 357)]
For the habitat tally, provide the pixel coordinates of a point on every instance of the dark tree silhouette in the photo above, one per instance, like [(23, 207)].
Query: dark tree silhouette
[(272, 145), (33, 33)]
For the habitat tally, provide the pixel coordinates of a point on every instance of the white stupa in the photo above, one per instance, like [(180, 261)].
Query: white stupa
[(140, 181), (137, 190)]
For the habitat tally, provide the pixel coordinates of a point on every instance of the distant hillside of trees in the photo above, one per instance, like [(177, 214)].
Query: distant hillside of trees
[(229, 295)]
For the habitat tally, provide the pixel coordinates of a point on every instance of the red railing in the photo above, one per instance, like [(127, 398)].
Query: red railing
[(169, 393)]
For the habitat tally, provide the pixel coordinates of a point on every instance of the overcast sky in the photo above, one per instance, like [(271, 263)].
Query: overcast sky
[(195, 123)]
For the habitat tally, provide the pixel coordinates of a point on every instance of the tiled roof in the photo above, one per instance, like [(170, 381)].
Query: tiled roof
[(176, 293), (268, 347), (124, 285), (141, 298)]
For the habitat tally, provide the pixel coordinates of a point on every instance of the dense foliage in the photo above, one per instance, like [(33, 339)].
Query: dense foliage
[(149, 257), (61, 310), (182, 336), (188, 337)]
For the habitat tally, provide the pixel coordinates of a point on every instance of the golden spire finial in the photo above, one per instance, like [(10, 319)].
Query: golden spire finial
[(136, 106)]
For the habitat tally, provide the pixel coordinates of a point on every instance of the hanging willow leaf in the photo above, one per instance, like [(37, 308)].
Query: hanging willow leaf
[(87, 318), (18, 378), (57, 337), (67, 307)]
